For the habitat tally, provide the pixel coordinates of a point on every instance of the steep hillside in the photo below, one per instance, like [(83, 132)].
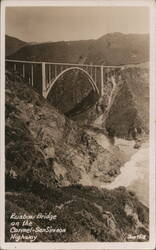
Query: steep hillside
[(48, 158), (35, 130), (12, 45), (110, 49), (119, 49), (83, 214), (71, 52)]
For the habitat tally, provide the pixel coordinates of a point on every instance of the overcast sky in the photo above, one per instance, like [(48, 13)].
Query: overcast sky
[(41, 24)]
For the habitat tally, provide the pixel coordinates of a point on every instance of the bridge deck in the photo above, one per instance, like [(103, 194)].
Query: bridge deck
[(66, 64)]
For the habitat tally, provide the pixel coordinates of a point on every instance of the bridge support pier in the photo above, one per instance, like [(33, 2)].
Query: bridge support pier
[(102, 82), (43, 80)]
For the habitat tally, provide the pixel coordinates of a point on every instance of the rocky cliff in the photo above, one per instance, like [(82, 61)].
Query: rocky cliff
[(130, 109), (35, 130), (123, 108), (49, 159)]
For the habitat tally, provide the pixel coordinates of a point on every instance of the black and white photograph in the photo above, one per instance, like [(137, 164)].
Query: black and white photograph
[(78, 132)]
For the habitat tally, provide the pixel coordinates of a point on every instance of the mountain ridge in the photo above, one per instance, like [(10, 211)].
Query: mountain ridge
[(109, 49), (13, 44)]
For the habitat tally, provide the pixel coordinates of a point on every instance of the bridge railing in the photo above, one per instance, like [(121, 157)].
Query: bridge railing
[(31, 72)]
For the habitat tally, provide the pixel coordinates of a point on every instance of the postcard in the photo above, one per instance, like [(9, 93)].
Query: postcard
[(78, 124)]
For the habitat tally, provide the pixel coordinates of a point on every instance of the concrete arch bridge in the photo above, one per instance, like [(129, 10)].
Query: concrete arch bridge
[(44, 75)]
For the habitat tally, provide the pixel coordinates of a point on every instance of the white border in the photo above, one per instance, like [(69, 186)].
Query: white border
[(91, 245)]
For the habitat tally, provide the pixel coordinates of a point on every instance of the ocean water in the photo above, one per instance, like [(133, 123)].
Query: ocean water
[(135, 174)]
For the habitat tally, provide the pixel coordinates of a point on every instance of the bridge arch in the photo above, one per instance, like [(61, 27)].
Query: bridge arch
[(92, 82)]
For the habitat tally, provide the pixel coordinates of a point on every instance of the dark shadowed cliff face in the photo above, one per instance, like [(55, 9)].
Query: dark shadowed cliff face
[(48, 158), (70, 92), (131, 106)]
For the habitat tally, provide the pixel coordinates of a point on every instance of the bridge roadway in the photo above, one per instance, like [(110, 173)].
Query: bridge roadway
[(43, 75)]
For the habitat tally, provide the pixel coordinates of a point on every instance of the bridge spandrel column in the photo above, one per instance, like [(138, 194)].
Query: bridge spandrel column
[(102, 82), (32, 75), (23, 70)]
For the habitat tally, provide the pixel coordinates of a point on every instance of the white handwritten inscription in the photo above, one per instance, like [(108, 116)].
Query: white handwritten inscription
[(24, 228), (17, 237), (48, 216), (138, 237)]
